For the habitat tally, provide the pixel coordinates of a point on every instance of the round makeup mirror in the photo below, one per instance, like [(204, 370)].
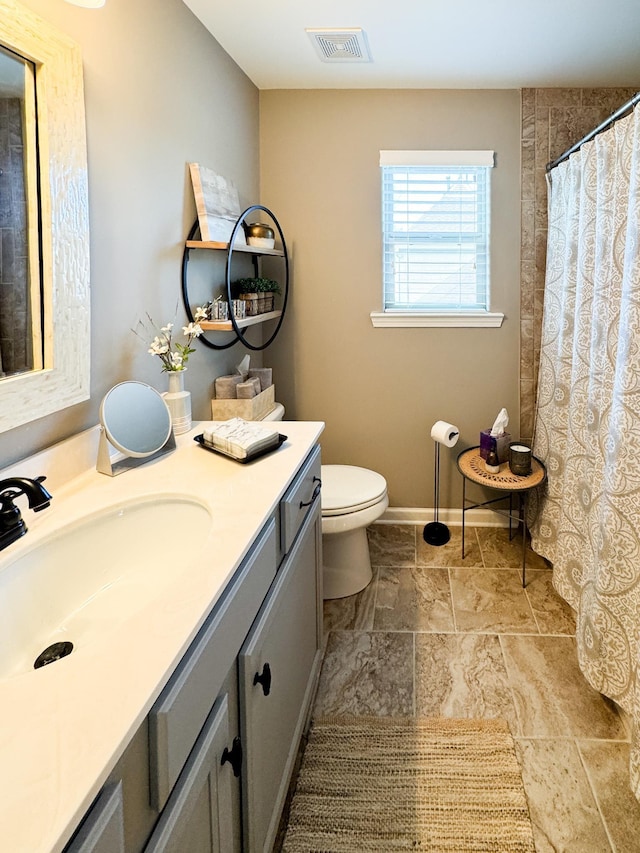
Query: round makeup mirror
[(136, 419)]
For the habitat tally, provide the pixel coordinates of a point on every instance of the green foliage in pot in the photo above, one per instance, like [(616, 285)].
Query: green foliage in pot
[(254, 285)]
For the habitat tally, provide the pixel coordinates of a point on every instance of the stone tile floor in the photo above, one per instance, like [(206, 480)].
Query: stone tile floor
[(437, 635)]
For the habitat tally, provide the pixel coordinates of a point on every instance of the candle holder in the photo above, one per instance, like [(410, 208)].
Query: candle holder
[(520, 459)]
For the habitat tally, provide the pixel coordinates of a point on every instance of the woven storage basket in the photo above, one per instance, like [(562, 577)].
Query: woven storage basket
[(258, 303), (253, 409)]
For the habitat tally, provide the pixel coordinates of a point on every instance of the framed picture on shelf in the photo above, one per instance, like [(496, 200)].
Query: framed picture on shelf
[(217, 204)]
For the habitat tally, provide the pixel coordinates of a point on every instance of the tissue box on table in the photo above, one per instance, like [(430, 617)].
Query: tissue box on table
[(500, 442)]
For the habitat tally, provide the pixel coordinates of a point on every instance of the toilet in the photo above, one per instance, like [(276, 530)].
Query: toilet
[(352, 499)]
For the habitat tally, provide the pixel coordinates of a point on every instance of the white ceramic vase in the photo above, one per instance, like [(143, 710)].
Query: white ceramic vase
[(179, 402)]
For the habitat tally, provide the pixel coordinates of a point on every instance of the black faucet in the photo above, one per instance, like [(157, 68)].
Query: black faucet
[(12, 526)]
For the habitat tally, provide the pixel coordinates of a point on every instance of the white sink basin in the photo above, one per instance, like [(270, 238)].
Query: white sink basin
[(77, 584)]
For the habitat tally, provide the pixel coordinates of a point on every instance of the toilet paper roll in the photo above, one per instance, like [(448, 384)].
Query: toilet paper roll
[(445, 433)]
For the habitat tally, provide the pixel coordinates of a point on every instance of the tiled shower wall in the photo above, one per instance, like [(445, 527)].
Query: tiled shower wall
[(14, 298), (552, 121)]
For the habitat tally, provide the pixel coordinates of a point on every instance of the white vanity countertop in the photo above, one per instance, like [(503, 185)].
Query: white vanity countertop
[(65, 726)]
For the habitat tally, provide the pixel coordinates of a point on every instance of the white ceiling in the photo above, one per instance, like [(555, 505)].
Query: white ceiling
[(433, 43)]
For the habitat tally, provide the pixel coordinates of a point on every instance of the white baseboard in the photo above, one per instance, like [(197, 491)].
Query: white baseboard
[(451, 517)]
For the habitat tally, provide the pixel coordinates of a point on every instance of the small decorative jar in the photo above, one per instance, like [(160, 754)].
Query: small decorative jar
[(220, 310), (492, 463), (260, 235), (239, 308)]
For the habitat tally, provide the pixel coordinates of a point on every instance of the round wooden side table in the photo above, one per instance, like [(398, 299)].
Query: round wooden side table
[(471, 466)]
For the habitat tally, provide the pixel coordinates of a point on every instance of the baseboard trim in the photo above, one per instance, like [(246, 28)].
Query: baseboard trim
[(451, 517)]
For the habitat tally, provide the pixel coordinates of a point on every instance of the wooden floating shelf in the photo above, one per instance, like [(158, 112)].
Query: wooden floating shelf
[(251, 250), (227, 326)]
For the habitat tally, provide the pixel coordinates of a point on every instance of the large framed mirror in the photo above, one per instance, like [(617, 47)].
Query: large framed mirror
[(44, 213)]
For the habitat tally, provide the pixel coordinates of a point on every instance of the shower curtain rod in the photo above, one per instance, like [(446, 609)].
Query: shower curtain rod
[(621, 113)]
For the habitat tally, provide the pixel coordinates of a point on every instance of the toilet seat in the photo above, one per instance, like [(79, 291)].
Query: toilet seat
[(347, 489)]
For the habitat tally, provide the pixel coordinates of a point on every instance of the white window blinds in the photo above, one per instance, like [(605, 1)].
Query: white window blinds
[(435, 217)]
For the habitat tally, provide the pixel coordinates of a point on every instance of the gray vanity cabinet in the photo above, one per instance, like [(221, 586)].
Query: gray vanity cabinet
[(278, 666), (209, 769), (103, 829)]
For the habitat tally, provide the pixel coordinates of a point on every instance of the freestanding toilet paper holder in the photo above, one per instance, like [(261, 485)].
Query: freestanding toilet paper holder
[(435, 532)]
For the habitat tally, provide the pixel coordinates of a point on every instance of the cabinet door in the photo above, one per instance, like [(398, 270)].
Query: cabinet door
[(278, 665), (198, 816)]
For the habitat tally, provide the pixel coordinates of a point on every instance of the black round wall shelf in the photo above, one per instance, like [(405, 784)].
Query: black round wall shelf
[(237, 326)]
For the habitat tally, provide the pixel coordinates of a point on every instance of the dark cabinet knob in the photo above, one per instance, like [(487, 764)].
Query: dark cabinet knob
[(264, 678), (233, 756)]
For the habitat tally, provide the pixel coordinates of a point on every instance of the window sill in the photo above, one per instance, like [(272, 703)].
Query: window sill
[(433, 319)]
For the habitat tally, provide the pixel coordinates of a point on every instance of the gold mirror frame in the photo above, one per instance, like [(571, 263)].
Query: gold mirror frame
[(64, 207)]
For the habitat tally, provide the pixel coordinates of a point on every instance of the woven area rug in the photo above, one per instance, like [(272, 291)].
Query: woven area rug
[(375, 784)]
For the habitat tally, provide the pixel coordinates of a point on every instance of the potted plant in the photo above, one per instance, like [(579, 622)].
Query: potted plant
[(258, 293)]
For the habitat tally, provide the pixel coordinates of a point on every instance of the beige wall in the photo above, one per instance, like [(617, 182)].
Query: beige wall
[(380, 390), (159, 92)]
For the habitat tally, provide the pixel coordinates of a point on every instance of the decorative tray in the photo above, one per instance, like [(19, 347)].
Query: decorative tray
[(249, 458)]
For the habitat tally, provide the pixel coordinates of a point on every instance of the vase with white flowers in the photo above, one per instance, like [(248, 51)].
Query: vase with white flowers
[(174, 356)]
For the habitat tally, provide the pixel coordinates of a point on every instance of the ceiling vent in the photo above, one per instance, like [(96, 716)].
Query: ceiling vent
[(346, 45)]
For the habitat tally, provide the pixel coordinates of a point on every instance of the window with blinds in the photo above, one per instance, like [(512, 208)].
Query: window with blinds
[(436, 226)]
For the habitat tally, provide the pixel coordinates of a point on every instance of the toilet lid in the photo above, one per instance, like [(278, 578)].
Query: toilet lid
[(347, 488)]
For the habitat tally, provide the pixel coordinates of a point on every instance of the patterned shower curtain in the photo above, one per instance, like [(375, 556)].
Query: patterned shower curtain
[(588, 410)]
